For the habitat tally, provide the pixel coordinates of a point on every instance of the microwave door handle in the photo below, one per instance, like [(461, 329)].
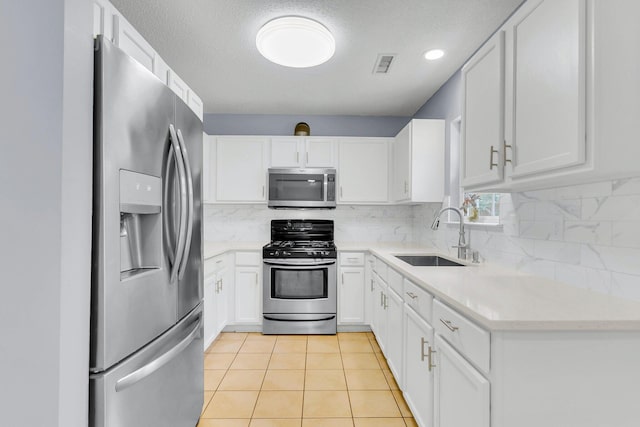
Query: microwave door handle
[(183, 205), (190, 201)]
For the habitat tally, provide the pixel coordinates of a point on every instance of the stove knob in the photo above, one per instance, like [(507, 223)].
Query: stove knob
[(285, 253), (276, 253)]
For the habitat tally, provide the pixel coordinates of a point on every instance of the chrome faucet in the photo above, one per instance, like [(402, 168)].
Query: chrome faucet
[(462, 243)]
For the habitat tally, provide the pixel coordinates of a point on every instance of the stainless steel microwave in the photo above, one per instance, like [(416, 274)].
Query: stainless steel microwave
[(302, 188)]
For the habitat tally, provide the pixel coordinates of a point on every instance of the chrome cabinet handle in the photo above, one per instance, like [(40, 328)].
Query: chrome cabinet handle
[(385, 302), (381, 300), (263, 191), (412, 295), (297, 157), (491, 164), (371, 285), (190, 201), (449, 326), (422, 343), (430, 358), (504, 152), (307, 158), (341, 192)]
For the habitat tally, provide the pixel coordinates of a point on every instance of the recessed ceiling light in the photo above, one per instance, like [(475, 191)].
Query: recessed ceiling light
[(434, 54), (294, 41)]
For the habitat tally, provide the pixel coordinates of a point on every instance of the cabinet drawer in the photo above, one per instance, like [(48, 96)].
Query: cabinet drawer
[(381, 268), (418, 299), (394, 280), (468, 338), (213, 265), (248, 258), (351, 258)]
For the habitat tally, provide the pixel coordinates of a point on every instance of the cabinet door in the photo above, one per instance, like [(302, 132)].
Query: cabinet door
[(379, 312), (418, 375), (319, 153), (394, 345), (209, 310), (369, 291), (401, 187), (363, 172), (351, 295), (248, 302), (195, 103), (285, 153), (240, 172), (177, 85), (547, 40), (462, 395), (128, 39), (482, 124), (103, 13), (222, 302)]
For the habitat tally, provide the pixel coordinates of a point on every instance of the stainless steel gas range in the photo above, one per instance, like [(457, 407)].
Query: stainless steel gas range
[(299, 295)]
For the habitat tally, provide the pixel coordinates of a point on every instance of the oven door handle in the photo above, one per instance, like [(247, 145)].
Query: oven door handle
[(304, 262), (296, 318)]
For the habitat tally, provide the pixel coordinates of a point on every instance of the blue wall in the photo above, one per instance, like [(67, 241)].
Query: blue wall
[(271, 124)]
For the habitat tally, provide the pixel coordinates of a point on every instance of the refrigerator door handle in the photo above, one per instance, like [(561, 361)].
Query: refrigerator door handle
[(148, 369), (189, 179), (177, 258)]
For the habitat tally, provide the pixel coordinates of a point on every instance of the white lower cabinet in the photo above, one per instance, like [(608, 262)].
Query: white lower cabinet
[(379, 312), (248, 288), (351, 295), (217, 281), (394, 341), (418, 371), (462, 394)]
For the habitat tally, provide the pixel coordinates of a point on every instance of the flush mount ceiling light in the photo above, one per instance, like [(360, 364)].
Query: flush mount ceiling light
[(434, 54), (294, 41)]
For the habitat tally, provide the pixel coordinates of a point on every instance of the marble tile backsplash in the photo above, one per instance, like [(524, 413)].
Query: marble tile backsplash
[(585, 235), (251, 223)]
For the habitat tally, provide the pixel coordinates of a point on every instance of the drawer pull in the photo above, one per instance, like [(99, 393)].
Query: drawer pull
[(449, 326), (385, 303), (430, 359), (371, 285), (353, 259), (422, 343), (412, 295)]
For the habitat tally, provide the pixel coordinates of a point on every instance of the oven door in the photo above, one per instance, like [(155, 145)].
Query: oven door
[(299, 286)]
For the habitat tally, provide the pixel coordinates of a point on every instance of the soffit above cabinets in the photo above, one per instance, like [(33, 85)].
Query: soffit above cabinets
[(211, 44)]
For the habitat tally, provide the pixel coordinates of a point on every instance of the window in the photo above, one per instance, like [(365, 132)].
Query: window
[(481, 208)]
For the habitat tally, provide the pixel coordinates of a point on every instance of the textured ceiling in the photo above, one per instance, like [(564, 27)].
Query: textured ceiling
[(211, 45)]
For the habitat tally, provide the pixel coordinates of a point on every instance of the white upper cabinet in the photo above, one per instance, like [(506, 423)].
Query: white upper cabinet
[(103, 12), (177, 85), (363, 171), (546, 60), (295, 151), (483, 114), (418, 162), (240, 172), (128, 39)]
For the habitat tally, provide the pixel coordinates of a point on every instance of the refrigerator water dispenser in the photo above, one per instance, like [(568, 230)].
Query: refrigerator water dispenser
[(140, 223)]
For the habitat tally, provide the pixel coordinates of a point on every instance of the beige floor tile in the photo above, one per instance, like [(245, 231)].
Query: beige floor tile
[(322, 338), (291, 338), (212, 378), (393, 385), (207, 397), (225, 346), (275, 423), (232, 336), (323, 346), (211, 422), (280, 379), (366, 379), (324, 361), (242, 379), (352, 336), (356, 346), (279, 404), (257, 346), (378, 422), (375, 346), (410, 422), (360, 361), (326, 404), (218, 360), (231, 404), (327, 422), (256, 336), (251, 361), (382, 361), (287, 361), (402, 404), (290, 347), (326, 380), (373, 404)]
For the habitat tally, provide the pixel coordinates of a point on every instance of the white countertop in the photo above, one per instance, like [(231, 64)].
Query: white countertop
[(497, 298), (213, 249)]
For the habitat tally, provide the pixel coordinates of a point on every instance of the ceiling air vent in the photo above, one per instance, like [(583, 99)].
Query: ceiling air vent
[(383, 63)]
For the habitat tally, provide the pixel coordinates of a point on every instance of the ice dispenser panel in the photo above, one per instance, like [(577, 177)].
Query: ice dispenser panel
[(140, 223)]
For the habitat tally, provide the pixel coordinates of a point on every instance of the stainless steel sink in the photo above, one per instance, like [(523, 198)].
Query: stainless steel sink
[(428, 261)]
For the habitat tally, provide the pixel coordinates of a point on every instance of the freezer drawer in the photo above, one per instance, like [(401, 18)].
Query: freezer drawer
[(160, 385)]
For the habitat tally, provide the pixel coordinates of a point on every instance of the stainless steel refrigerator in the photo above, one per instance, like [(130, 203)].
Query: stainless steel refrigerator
[(146, 366)]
